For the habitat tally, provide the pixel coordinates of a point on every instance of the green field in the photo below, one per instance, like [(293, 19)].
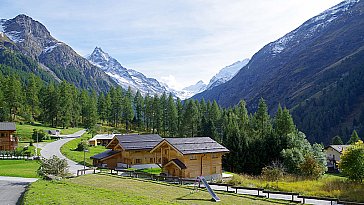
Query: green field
[(19, 168), (68, 150), (328, 186), (25, 131), (106, 189)]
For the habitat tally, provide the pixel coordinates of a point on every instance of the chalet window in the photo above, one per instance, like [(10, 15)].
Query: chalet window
[(214, 156), (193, 157), (2, 135), (151, 160), (214, 170), (138, 161), (165, 151)]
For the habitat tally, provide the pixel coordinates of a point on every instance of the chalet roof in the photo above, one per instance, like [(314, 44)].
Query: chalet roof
[(103, 137), (179, 163), (138, 142), (338, 148), (105, 154), (7, 126), (196, 145)]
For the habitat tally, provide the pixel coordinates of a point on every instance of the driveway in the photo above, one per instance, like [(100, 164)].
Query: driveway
[(54, 148), (12, 188)]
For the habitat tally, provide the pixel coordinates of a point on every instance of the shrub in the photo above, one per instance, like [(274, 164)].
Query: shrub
[(351, 163), (53, 167), (82, 145), (311, 168), (274, 172), (40, 134)]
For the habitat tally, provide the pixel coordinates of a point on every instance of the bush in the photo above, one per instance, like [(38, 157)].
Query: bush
[(311, 168), (53, 167), (83, 145), (40, 134), (351, 162), (274, 172)]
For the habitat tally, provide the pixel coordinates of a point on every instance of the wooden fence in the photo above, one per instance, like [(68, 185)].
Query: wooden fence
[(260, 191)]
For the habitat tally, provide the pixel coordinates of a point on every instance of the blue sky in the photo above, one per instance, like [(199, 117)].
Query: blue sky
[(175, 41)]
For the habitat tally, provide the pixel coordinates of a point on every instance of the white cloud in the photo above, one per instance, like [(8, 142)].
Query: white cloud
[(171, 81)]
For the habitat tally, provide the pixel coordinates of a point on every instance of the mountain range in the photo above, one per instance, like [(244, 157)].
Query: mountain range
[(315, 70), (31, 38)]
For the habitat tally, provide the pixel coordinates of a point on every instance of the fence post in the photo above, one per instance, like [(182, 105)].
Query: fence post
[(227, 188)]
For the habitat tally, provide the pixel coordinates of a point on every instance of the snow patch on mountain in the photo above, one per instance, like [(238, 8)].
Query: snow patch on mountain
[(49, 49), (312, 26), (125, 77), (227, 73)]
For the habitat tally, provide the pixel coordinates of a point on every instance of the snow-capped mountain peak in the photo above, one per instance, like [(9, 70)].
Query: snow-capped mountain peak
[(226, 73), (123, 76)]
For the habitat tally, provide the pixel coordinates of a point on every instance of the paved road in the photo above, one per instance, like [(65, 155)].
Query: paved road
[(12, 188), (53, 148)]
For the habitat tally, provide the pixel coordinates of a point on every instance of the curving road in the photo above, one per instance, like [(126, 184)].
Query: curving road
[(12, 188), (54, 148)]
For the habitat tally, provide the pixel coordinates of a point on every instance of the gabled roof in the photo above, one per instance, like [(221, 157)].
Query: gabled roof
[(103, 137), (338, 148), (178, 163), (7, 126), (106, 154), (138, 142), (196, 145)]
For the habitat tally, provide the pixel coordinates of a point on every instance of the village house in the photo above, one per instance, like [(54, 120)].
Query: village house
[(190, 157), (181, 157), (128, 151), (7, 139), (101, 139), (333, 153)]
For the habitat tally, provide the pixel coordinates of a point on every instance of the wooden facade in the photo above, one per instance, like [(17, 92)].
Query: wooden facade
[(181, 157), (175, 163), (8, 140), (126, 153)]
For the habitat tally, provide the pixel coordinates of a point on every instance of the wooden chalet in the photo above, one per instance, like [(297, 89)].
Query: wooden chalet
[(190, 157), (128, 151), (101, 139), (7, 139)]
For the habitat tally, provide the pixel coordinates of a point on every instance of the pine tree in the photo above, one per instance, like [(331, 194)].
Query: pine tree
[(180, 117), (262, 123), (190, 119), (172, 116), (128, 113), (91, 111), (13, 96), (32, 92), (164, 114), (156, 115), (337, 140), (65, 102), (138, 107), (354, 138)]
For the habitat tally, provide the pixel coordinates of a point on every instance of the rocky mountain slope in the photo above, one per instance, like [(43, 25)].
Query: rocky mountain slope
[(303, 68), (123, 76), (32, 39)]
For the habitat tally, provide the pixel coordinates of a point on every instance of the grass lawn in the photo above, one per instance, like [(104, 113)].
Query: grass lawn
[(328, 186), (68, 150), (25, 131), (19, 168), (106, 189)]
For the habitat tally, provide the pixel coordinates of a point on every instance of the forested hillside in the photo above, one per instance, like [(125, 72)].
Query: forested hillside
[(301, 69)]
